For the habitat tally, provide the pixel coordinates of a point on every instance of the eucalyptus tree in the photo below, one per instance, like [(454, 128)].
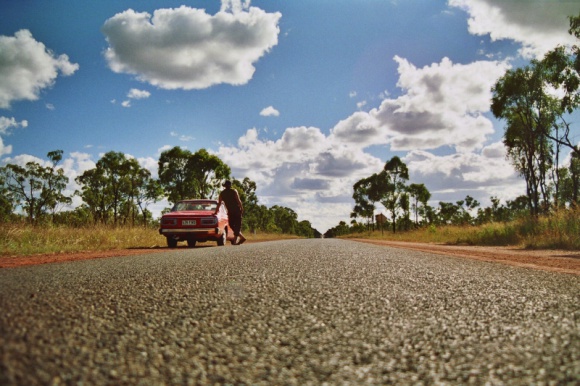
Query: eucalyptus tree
[(537, 118), (367, 192), (394, 195), (183, 174), (35, 188), (420, 195), (175, 176), (520, 98), (117, 186), (6, 200), (94, 193), (209, 173), (146, 190)]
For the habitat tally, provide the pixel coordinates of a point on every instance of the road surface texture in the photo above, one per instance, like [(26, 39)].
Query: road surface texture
[(292, 312)]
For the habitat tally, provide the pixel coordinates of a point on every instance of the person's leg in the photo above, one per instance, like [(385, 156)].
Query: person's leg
[(236, 225)]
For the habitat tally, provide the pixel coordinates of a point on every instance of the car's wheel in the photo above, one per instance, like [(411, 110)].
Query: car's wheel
[(171, 242), (222, 240), (191, 243)]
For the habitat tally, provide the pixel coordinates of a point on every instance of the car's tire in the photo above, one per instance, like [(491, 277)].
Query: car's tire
[(191, 243), (171, 242), (222, 240)]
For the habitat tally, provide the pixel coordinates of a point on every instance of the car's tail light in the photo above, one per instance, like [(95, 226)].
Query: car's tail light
[(168, 221), (209, 221)]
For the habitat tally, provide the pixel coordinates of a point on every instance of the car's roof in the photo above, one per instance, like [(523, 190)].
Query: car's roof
[(198, 200)]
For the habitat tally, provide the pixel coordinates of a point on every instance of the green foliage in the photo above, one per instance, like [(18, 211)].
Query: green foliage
[(118, 188), (36, 189), (183, 174)]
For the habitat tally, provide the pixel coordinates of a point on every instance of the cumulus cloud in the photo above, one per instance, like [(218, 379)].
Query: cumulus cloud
[(6, 124), (183, 138), (134, 94), (28, 67), (5, 149), (442, 105), (301, 170), (539, 25), (480, 174), (269, 112), (186, 48), (138, 94)]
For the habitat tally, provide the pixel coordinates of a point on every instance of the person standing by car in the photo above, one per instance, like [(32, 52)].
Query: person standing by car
[(231, 199)]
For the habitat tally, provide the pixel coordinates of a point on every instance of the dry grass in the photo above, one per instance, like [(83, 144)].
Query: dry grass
[(23, 240), (561, 230)]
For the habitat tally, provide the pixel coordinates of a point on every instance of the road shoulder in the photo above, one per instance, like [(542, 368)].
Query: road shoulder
[(548, 260)]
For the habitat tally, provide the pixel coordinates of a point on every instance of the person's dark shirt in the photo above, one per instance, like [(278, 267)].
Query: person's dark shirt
[(230, 199)]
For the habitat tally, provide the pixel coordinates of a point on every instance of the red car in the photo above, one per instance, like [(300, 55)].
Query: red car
[(195, 220)]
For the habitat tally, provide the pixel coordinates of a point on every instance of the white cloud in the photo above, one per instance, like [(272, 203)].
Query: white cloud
[(361, 104), (4, 149), (8, 123), (441, 105), (301, 170), (478, 174), (186, 48), (270, 112), (150, 164), (28, 67), (164, 148), (539, 25), (183, 138), (138, 94)]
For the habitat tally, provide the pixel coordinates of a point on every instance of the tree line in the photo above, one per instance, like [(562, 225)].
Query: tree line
[(538, 130), (118, 191)]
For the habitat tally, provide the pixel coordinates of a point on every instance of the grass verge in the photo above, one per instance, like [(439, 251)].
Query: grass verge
[(561, 230), (24, 240)]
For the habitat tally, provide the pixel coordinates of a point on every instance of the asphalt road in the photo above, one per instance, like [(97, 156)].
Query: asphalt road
[(288, 313)]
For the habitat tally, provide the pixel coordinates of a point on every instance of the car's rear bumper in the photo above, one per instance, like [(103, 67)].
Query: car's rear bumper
[(200, 234), (215, 231)]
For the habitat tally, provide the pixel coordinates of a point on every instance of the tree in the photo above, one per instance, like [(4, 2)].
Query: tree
[(570, 182), (56, 183), (95, 194), (118, 186), (115, 167), (420, 195), (563, 71), (185, 175), (396, 173), (35, 188), (209, 173), (285, 219), (247, 192), (537, 124), (368, 191), (6, 200), (147, 190), (519, 98)]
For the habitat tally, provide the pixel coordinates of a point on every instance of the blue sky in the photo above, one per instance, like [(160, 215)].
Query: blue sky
[(303, 97)]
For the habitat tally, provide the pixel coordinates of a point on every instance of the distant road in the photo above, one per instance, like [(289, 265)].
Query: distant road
[(288, 312)]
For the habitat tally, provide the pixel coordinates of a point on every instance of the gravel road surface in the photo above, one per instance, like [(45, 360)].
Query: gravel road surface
[(292, 312)]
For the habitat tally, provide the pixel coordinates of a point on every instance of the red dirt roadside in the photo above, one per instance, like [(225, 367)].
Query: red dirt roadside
[(547, 260)]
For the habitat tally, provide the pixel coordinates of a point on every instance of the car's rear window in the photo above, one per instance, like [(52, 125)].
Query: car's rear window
[(192, 205)]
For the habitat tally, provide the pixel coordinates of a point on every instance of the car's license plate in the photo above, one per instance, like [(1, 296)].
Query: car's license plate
[(188, 222)]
